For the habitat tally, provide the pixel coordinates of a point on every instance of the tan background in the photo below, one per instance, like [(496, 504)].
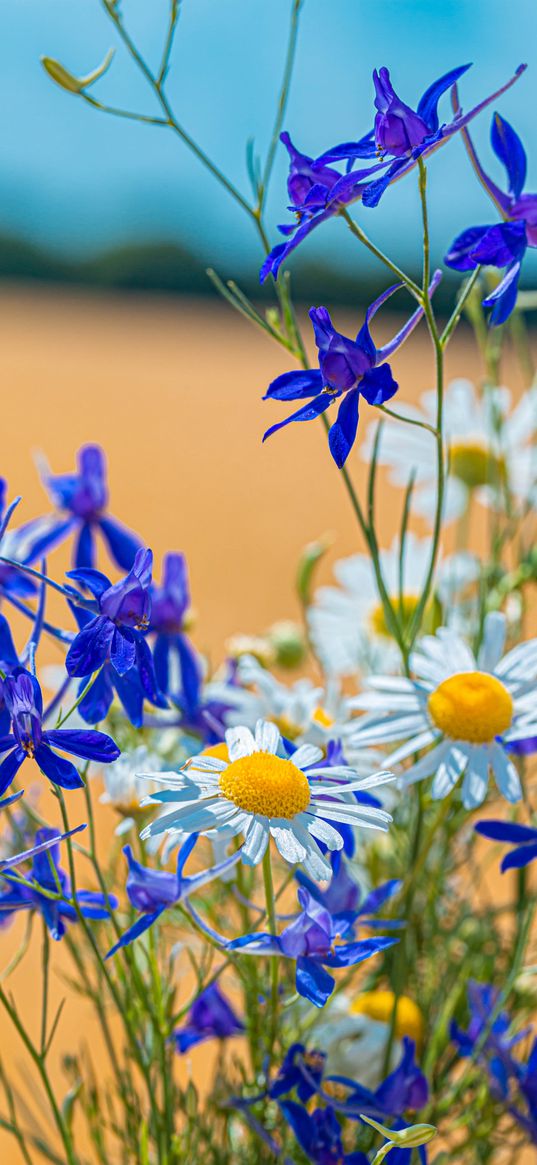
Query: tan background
[(172, 390)]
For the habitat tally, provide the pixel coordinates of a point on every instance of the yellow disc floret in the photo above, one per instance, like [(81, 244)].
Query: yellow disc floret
[(472, 706), (475, 465), (219, 751), (379, 1005), (266, 785)]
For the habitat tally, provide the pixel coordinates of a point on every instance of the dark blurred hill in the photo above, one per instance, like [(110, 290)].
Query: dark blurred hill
[(168, 267)]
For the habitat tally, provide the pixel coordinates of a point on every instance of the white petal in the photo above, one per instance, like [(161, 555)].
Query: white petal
[(448, 773), (390, 728), (240, 742), (306, 755), (315, 864), (257, 838), (415, 744), (286, 840), (323, 831), (476, 778), (427, 765), (358, 815), (505, 774), (267, 737), (494, 630)]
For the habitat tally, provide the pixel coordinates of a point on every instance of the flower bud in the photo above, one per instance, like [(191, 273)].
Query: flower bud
[(289, 643), (67, 80)]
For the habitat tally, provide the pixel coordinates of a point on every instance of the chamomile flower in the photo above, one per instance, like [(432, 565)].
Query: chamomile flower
[(470, 709), (355, 1032), (261, 794), (491, 449), (347, 623)]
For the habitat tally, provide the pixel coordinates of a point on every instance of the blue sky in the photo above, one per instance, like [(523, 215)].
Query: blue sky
[(77, 180)]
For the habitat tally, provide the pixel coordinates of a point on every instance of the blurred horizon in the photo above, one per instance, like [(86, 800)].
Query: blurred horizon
[(77, 186)]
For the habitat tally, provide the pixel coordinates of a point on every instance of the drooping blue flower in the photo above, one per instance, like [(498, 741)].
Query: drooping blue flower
[(319, 1135), (29, 739), (400, 134), (83, 495), (177, 664), (315, 940), (523, 837), (116, 635), (54, 910), (153, 891), (504, 244), (211, 1017), (348, 369), (343, 896)]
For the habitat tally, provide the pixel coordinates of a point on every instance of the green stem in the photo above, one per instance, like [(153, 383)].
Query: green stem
[(395, 270), (274, 962)]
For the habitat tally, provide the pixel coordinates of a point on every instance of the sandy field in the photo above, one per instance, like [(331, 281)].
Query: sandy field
[(172, 390)]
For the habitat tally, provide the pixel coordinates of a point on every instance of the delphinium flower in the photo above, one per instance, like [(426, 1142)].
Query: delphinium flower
[(29, 738), (112, 641), (522, 837), (315, 940), (50, 882), (348, 369), (153, 891), (355, 1032), (470, 708), (22, 544), (83, 497), (261, 794), (504, 244), (211, 1017), (489, 1041), (319, 1135), (400, 136), (347, 622), (176, 663), (490, 449)]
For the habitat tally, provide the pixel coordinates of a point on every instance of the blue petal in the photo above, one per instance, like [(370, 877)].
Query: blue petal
[(146, 673), (57, 769), (10, 767), (130, 692), (519, 857), (313, 982), (379, 896), (506, 831), (191, 674), (342, 434), (301, 1123), (374, 190), (96, 703), (93, 580), (503, 299), (85, 547), (161, 660), (122, 650), (364, 148), (295, 385), (348, 954), (460, 256), (427, 107), (84, 743), (139, 927), (509, 149), (378, 385), (306, 413), (8, 654), (122, 543), (277, 256), (90, 648)]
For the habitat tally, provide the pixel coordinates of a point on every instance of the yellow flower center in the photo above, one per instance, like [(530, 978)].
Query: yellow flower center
[(379, 1005), (219, 751), (322, 718), (266, 785), (405, 609), (472, 706), (287, 727), (475, 465)]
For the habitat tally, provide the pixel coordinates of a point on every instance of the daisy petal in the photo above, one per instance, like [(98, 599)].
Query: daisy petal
[(267, 737), (257, 838), (505, 774), (240, 742)]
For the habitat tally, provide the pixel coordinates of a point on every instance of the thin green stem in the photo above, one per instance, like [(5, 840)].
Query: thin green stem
[(395, 270), (274, 963)]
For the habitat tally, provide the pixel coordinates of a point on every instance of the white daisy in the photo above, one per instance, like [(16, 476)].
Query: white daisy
[(124, 789), (347, 623), (355, 1032), (490, 445), (261, 795), (469, 709)]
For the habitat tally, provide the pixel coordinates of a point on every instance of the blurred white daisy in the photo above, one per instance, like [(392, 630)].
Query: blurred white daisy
[(261, 795), (124, 789), (355, 1032), (469, 709), (347, 623), (491, 446)]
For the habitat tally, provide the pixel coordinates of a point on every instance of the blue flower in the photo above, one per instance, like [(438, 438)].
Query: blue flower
[(319, 1135), (402, 135), (315, 940), (348, 369), (28, 737), (523, 837), (504, 244), (9, 661), (177, 664), (152, 891), (54, 910), (343, 895), (211, 1017), (116, 636), (300, 1069), (84, 495)]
